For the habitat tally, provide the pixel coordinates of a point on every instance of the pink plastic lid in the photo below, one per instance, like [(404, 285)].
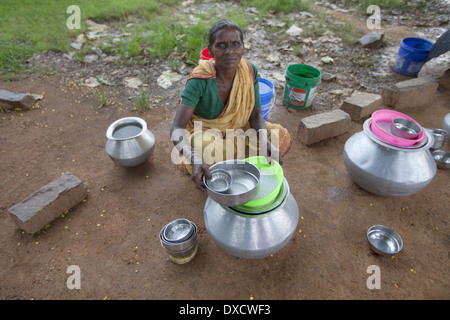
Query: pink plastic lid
[(381, 122)]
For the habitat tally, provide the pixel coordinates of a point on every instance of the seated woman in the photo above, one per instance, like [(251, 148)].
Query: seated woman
[(220, 116)]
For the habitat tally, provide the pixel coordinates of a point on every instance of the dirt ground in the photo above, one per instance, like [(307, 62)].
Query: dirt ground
[(113, 236)]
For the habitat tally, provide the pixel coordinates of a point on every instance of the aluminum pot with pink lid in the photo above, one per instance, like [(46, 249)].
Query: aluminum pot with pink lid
[(385, 169)]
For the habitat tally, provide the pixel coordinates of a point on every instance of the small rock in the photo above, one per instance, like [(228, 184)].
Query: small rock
[(444, 81), (294, 31), (187, 3), (68, 56), (328, 76), (167, 78), (76, 45), (278, 76), (95, 26), (327, 59), (133, 83), (13, 100), (372, 40), (273, 58), (92, 82), (80, 38), (90, 58)]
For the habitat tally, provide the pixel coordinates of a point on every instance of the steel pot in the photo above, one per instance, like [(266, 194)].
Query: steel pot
[(129, 143), (253, 234), (388, 170), (446, 125)]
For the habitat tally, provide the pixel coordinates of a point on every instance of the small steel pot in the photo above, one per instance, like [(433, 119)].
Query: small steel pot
[(439, 138), (129, 143)]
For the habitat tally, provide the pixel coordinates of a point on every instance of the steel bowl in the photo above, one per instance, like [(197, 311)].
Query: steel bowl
[(178, 230), (442, 159), (181, 248), (405, 128), (439, 138), (384, 240), (245, 183), (220, 181)]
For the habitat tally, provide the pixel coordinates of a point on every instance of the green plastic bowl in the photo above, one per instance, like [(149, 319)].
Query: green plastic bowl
[(270, 181)]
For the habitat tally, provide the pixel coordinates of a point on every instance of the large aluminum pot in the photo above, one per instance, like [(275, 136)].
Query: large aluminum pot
[(129, 143), (446, 126), (255, 235), (387, 170)]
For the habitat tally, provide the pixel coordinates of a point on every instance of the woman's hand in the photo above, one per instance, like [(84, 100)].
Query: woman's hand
[(199, 169), (273, 151)]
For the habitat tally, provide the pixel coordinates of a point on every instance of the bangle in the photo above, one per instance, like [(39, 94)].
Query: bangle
[(189, 155)]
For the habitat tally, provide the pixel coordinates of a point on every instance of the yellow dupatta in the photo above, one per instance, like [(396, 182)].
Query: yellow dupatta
[(209, 139)]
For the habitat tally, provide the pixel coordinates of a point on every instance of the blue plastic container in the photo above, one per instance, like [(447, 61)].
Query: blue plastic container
[(411, 55), (266, 92)]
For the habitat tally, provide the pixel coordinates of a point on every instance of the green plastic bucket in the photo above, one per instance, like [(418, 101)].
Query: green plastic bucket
[(301, 85)]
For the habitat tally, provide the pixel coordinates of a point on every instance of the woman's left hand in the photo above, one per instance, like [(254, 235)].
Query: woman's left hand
[(200, 169)]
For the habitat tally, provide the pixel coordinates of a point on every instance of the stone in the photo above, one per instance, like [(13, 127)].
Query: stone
[(322, 126), (372, 40), (14, 100), (361, 104), (76, 45), (90, 58), (444, 81), (416, 92), (44, 205)]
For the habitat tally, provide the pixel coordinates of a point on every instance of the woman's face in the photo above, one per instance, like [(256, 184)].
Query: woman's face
[(227, 48)]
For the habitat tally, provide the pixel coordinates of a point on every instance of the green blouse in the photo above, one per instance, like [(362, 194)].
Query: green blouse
[(202, 94)]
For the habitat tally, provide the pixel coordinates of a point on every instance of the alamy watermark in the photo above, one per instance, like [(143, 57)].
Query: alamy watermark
[(374, 21), (374, 280), (230, 145), (74, 280), (74, 20)]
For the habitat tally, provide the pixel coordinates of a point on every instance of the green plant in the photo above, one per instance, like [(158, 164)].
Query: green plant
[(29, 26), (142, 101), (101, 99), (287, 6), (346, 32)]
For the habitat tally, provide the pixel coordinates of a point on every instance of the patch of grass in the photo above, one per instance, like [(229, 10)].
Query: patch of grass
[(142, 101), (29, 26), (159, 28), (286, 6), (388, 4), (346, 32), (316, 27), (383, 4), (12, 58), (100, 98)]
